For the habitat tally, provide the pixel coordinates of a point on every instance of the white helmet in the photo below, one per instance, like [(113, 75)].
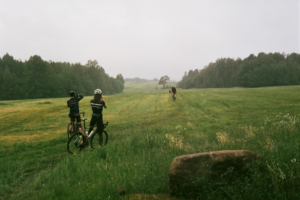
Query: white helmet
[(97, 91)]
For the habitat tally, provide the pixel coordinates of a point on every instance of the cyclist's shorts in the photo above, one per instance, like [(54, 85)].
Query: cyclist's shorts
[(73, 117)]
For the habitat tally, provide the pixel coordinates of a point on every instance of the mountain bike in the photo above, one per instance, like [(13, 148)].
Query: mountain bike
[(73, 127), (79, 141)]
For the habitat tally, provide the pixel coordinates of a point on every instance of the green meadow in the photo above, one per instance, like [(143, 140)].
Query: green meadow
[(147, 130)]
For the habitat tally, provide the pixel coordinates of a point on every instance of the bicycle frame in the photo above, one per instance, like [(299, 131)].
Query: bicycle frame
[(92, 132), (74, 125)]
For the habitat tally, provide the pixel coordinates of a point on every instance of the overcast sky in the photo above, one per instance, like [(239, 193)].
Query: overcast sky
[(147, 38)]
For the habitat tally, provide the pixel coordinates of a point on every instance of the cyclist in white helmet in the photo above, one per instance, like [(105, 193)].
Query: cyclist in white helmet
[(97, 106)]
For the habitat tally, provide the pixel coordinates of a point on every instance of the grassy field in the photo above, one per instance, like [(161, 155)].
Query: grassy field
[(147, 130)]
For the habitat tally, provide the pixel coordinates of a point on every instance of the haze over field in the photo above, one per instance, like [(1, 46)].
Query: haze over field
[(147, 39)]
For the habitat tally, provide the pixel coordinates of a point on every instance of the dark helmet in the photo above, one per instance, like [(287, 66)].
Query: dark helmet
[(72, 93)]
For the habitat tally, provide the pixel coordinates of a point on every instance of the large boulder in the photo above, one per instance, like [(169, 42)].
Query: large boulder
[(189, 173)]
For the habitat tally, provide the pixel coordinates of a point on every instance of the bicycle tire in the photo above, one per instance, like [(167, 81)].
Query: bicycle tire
[(74, 143), (96, 139), (69, 133)]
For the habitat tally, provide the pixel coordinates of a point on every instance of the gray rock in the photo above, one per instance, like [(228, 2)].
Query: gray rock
[(189, 173)]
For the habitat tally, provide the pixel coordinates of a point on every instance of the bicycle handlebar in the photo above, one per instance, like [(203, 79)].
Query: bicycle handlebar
[(82, 113)]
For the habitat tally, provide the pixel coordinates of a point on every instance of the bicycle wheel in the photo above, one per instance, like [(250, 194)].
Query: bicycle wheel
[(99, 139), (74, 143), (69, 130)]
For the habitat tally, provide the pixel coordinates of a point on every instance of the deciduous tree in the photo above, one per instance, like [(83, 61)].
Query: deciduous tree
[(163, 80)]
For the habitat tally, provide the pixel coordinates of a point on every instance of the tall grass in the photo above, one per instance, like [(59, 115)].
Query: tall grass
[(140, 163), (147, 131)]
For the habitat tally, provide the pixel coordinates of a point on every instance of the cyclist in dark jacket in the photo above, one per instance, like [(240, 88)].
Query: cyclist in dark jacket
[(73, 104), (174, 91), (97, 106)]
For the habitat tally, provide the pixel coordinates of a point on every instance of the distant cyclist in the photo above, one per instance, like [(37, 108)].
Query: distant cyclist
[(73, 104), (97, 106), (173, 92)]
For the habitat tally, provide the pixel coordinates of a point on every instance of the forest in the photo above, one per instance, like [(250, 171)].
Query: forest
[(273, 69), (36, 78)]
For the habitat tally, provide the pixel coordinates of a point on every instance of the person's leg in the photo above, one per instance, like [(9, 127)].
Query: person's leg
[(71, 128), (100, 124), (92, 124), (78, 120)]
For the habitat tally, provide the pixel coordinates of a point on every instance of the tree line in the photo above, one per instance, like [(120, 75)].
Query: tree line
[(36, 78), (273, 69), (140, 80)]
